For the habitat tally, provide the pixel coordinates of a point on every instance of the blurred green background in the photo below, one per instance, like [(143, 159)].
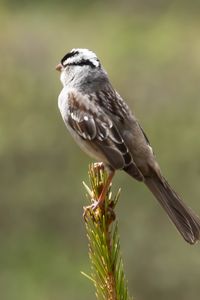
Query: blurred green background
[(151, 50)]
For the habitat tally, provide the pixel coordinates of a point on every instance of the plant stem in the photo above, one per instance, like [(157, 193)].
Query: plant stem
[(104, 246)]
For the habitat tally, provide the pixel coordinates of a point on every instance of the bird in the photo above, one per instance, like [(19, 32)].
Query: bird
[(104, 127)]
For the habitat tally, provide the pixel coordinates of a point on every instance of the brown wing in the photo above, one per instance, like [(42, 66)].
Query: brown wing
[(92, 124)]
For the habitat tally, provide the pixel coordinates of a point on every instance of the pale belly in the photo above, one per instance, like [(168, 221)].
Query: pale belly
[(87, 146)]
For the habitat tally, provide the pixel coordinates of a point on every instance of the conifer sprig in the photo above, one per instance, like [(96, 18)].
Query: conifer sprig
[(107, 272)]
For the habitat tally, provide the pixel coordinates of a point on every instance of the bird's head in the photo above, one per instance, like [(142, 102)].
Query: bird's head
[(76, 61)]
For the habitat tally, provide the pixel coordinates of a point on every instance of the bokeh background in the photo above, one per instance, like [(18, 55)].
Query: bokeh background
[(151, 50)]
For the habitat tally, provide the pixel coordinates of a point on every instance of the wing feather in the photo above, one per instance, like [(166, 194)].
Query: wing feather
[(93, 125)]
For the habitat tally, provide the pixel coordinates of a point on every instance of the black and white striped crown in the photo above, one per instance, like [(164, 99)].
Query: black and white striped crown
[(80, 57)]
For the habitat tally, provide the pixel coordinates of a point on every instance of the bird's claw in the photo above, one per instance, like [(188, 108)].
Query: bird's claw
[(92, 209)]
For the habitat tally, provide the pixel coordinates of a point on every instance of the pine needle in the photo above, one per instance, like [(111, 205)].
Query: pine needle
[(107, 272)]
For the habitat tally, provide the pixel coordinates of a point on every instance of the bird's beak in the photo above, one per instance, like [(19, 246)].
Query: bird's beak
[(59, 67)]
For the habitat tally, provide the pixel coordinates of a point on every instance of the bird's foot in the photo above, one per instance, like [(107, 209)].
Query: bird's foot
[(97, 210), (99, 166), (93, 209), (98, 206)]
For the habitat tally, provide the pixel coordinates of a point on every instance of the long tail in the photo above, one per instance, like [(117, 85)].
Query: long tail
[(185, 220)]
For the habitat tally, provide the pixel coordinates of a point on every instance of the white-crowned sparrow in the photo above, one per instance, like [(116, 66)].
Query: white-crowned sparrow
[(104, 127)]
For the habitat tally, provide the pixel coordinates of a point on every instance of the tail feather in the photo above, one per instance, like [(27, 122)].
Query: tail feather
[(185, 220)]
